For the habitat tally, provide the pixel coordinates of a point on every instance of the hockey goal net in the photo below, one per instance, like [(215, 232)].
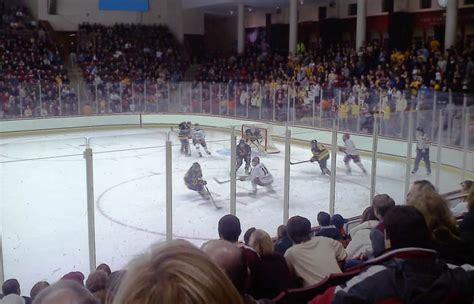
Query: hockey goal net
[(259, 136)]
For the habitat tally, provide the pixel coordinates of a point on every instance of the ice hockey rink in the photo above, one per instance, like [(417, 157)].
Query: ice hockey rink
[(43, 196)]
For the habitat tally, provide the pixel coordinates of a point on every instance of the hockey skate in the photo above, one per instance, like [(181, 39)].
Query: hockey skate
[(207, 152), (200, 154), (364, 171)]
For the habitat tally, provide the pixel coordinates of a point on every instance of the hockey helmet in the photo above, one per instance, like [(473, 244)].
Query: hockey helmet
[(346, 136), (420, 129), (255, 161), (241, 141), (314, 142)]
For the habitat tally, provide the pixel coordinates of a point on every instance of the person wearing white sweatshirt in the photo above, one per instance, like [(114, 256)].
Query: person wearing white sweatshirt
[(360, 244)]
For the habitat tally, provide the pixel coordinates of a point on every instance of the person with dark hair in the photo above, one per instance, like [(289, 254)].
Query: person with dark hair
[(409, 273), (104, 267), (11, 292), (113, 284), (325, 227), (381, 203), (338, 221), (311, 259), (37, 288), (96, 283), (229, 230), (283, 242), (422, 150), (247, 235), (65, 291)]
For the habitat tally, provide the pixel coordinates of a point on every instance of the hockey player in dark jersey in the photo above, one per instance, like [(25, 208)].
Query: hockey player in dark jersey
[(244, 152), (193, 180), (320, 155), (253, 135), (184, 135)]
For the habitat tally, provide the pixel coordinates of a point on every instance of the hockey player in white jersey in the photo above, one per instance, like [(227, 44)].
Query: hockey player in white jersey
[(199, 139), (259, 176), (351, 154)]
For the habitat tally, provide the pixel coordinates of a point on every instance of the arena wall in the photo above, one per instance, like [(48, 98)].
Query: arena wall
[(71, 13), (388, 147)]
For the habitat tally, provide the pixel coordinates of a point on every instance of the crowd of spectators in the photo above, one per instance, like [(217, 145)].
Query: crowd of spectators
[(15, 18), (411, 253), (32, 74), (342, 66), (130, 52)]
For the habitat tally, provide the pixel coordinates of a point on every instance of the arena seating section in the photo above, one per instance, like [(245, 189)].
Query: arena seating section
[(32, 70)]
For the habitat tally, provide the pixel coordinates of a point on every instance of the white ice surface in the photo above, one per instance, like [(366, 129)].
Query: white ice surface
[(43, 196)]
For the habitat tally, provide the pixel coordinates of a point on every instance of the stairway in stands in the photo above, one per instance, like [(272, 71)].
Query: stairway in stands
[(192, 72)]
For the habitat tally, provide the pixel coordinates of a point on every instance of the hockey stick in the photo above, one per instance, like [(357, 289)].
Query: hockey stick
[(299, 162), (212, 199), (220, 182)]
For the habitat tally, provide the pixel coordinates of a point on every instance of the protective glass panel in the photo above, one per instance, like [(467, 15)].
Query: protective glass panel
[(309, 179), (44, 208), (130, 192), (200, 192)]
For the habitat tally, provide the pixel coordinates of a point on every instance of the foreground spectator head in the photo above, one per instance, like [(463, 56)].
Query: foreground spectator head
[(104, 267), (262, 243), (419, 188), (299, 229), (76, 276), (324, 219), (37, 288), (382, 203), (405, 227), (113, 284), (231, 260), (11, 286), (229, 228), (175, 272), (65, 291), (96, 283), (247, 235)]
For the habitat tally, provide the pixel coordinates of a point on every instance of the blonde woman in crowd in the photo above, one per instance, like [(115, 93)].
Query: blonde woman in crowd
[(445, 234), (175, 272)]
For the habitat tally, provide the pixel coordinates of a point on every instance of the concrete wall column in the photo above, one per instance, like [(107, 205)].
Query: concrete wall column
[(240, 29), (293, 26), (451, 23), (361, 23)]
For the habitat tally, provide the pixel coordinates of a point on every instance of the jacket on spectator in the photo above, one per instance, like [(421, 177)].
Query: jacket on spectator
[(12, 299), (410, 275), (329, 231), (282, 245), (467, 227), (272, 276), (452, 249), (360, 242), (377, 239)]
